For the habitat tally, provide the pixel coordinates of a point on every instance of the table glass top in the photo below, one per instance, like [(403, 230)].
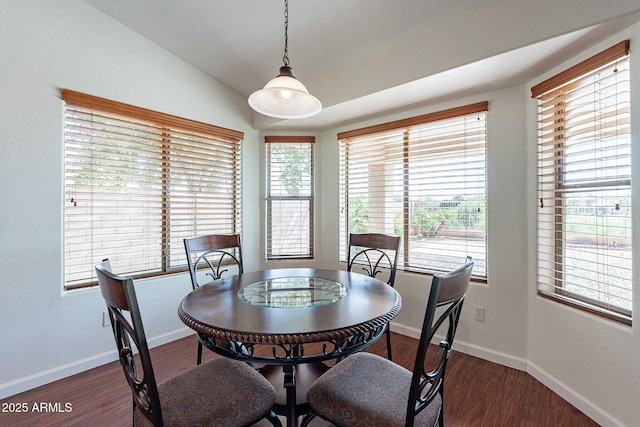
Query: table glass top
[(287, 292)]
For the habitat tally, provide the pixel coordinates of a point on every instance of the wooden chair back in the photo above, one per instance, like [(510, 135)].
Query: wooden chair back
[(442, 315)]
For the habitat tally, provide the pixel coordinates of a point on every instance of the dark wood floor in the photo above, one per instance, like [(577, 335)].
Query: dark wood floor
[(477, 393)]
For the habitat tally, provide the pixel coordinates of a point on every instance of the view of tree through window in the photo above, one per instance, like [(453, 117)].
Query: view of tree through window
[(289, 197)]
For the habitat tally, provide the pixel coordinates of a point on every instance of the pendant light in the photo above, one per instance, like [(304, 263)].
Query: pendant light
[(285, 97)]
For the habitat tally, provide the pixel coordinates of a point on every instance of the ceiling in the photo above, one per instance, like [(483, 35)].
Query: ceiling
[(365, 57)]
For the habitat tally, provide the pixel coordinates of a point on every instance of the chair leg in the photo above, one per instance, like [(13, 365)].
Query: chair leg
[(441, 413), (308, 417), (199, 353), (388, 343), (273, 419)]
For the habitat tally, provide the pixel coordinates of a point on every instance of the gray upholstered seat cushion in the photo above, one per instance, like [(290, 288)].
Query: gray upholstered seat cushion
[(365, 390), (220, 393)]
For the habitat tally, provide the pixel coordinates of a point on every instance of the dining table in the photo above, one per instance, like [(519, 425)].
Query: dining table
[(289, 321)]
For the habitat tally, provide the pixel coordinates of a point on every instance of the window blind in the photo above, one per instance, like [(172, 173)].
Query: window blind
[(584, 184), (137, 182), (289, 197), (424, 179)]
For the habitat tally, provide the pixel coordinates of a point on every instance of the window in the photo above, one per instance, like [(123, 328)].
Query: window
[(423, 179), (289, 197), (584, 185), (137, 182)]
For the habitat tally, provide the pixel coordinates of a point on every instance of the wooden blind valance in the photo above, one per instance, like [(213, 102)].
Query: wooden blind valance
[(290, 139), (412, 121), (603, 58), (114, 107)]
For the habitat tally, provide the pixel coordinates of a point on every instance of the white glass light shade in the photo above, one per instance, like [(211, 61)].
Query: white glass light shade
[(285, 97)]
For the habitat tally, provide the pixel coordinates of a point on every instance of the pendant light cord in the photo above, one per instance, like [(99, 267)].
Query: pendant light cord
[(285, 58)]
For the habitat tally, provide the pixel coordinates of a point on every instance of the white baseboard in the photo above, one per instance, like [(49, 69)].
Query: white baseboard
[(587, 407), (45, 377), (41, 378), (170, 336), (567, 393), (470, 349), (405, 330)]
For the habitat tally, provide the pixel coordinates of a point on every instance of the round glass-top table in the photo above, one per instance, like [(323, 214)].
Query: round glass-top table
[(290, 317), (291, 292)]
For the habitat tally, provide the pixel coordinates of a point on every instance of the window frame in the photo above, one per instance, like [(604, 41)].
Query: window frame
[(271, 252), (406, 126), (174, 149)]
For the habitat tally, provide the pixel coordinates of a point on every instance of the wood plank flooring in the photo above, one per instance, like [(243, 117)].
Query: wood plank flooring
[(477, 393)]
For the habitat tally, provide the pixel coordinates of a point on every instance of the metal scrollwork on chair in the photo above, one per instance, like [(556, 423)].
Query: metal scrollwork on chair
[(371, 265), (140, 385), (374, 252), (216, 260)]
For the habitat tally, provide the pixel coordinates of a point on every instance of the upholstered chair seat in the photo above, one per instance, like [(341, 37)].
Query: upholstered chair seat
[(365, 390), (236, 395)]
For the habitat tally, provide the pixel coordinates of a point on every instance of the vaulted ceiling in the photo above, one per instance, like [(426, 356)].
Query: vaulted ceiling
[(365, 57)]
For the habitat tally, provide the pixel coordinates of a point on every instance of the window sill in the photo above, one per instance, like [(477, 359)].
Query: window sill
[(598, 311)]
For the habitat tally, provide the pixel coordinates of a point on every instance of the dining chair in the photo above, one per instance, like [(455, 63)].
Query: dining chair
[(214, 252), (221, 392), (369, 390), (373, 254), (211, 256)]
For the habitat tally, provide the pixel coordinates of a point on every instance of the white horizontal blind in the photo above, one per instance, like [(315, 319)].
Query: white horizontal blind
[(289, 197), (135, 187), (584, 184), (423, 179)]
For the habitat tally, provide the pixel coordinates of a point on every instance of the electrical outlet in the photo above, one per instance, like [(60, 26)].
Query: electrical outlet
[(106, 321), (479, 313)]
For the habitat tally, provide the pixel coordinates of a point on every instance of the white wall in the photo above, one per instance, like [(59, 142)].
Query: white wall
[(46, 46)]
